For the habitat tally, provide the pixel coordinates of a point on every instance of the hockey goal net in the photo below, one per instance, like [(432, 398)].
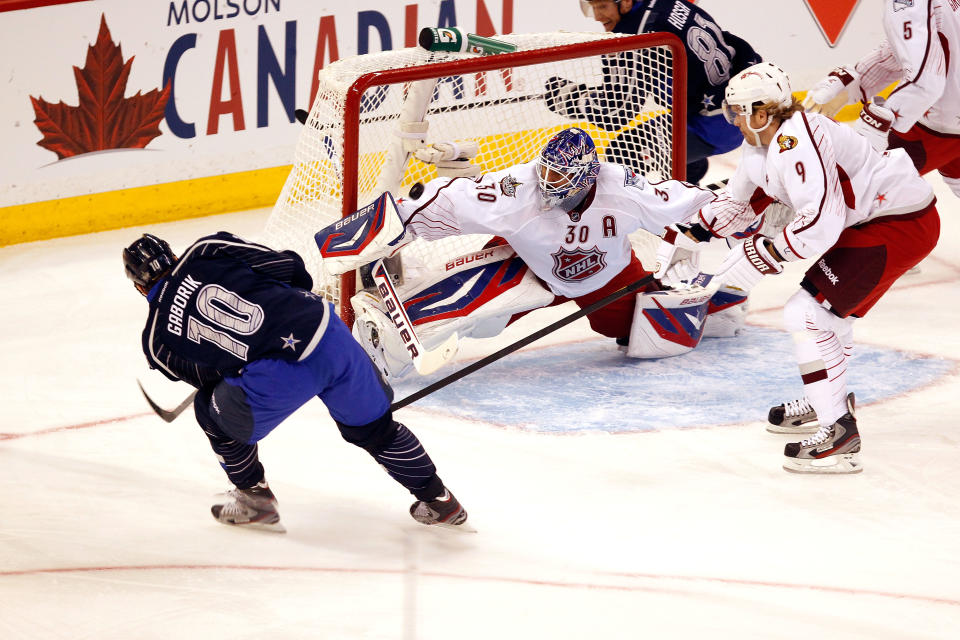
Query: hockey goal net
[(361, 131)]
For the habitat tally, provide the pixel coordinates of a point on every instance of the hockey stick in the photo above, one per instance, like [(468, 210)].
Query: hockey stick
[(519, 344), (168, 415)]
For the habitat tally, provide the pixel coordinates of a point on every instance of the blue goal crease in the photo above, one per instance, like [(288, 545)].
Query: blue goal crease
[(592, 387)]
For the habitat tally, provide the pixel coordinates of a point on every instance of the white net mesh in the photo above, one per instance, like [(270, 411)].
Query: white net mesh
[(346, 156)]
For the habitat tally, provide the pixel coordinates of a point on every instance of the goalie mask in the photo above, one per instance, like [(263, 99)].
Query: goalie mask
[(147, 260), (567, 169)]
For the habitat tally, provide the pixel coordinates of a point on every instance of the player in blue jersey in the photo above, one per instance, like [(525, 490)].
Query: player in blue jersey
[(238, 321), (713, 56)]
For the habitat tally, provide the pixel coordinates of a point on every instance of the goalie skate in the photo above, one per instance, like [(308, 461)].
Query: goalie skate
[(794, 417), (832, 449), (254, 508)]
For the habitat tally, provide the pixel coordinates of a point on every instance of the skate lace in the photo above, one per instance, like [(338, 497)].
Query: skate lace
[(246, 504), (236, 507), (796, 408), (821, 436)]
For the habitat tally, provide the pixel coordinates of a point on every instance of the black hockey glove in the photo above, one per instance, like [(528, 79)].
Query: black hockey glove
[(564, 97)]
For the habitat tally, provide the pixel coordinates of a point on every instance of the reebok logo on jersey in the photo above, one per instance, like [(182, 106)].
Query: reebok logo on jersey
[(900, 5), (786, 142), (828, 272), (578, 265)]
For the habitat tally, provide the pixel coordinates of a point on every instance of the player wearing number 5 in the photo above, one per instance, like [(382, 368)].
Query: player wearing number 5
[(237, 321), (922, 114), (868, 216), (713, 55)]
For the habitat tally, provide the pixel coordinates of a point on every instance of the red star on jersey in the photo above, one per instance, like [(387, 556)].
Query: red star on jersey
[(399, 200), (881, 198)]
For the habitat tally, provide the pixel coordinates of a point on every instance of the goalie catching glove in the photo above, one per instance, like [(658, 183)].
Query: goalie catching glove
[(678, 255), (746, 264), (452, 159)]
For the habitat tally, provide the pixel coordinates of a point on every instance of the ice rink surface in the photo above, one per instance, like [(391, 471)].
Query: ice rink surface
[(612, 499)]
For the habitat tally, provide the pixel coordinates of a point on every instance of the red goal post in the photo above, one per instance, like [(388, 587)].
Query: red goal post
[(355, 143)]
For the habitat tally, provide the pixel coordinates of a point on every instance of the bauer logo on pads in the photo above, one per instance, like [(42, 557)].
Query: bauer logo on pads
[(350, 235)]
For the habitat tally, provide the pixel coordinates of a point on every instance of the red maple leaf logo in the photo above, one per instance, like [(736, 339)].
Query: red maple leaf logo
[(104, 119)]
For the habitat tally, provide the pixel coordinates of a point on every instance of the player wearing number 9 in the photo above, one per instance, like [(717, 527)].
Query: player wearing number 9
[(237, 320), (864, 217)]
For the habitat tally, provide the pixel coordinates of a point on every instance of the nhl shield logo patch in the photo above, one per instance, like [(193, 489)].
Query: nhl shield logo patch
[(786, 142), (578, 265), (508, 186)]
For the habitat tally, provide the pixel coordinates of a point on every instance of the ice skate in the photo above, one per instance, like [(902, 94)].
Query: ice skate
[(795, 417), (445, 511), (832, 449), (255, 508)]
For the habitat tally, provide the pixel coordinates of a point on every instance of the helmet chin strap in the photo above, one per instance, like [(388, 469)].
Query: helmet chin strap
[(756, 132)]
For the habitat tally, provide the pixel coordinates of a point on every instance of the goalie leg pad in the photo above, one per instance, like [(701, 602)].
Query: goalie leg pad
[(726, 313), (668, 323), (375, 332), (475, 296)]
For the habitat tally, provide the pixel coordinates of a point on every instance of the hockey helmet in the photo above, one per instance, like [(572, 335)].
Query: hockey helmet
[(763, 83), (567, 169), (147, 260)]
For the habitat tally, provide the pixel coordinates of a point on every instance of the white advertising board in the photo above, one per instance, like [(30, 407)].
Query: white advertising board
[(105, 95)]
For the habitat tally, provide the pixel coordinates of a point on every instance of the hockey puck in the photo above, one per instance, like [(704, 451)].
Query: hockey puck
[(416, 191), (301, 116)]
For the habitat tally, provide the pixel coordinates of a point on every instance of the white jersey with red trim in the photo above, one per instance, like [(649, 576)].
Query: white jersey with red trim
[(922, 53), (830, 175), (573, 254)]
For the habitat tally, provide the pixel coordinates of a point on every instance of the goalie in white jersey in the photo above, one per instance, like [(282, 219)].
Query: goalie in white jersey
[(922, 114), (869, 217), (561, 225)]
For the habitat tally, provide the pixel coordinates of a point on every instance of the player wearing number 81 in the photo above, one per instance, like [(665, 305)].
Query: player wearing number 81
[(237, 321), (713, 56)]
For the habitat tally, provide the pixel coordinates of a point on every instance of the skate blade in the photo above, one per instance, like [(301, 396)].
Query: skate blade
[(274, 527), (462, 528), (841, 464), (802, 429)]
